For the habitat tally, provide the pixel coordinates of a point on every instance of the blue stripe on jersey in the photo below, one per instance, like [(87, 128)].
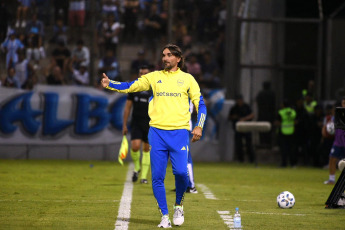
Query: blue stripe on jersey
[(120, 85), (202, 111)]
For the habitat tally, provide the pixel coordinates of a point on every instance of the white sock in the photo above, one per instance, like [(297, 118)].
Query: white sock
[(332, 177)]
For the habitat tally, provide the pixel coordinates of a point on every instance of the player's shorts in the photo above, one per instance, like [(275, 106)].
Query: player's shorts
[(140, 131), (337, 152)]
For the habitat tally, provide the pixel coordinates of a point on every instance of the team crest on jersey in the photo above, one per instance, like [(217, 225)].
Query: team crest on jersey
[(180, 82)]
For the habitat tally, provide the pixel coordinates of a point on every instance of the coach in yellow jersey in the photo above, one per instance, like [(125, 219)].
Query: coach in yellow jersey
[(169, 125)]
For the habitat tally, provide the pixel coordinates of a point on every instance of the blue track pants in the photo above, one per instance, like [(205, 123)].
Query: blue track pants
[(165, 144)]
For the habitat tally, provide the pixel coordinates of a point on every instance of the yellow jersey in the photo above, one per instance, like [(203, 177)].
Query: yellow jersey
[(169, 105)]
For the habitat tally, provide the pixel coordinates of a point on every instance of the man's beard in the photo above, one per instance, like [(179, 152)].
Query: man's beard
[(167, 66)]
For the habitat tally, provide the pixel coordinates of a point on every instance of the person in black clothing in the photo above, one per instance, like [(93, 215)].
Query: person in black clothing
[(266, 110), (152, 31), (139, 129), (4, 20), (301, 130), (242, 112), (315, 136), (61, 55)]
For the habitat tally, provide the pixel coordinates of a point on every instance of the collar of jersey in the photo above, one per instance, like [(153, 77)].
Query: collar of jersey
[(172, 73)]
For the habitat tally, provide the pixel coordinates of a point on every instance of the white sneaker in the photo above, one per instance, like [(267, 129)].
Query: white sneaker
[(17, 24), (178, 215), (165, 222), (23, 23)]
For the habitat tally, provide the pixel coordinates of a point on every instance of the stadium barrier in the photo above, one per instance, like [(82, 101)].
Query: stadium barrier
[(77, 122)]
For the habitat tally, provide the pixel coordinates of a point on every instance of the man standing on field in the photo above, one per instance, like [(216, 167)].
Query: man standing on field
[(169, 125)]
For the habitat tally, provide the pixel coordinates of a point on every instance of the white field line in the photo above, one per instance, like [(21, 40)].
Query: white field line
[(63, 201), (207, 192), (125, 203), (278, 214), (227, 218)]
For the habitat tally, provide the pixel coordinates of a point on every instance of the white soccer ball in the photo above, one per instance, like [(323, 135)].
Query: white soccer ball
[(330, 128), (341, 164), (286, 200)]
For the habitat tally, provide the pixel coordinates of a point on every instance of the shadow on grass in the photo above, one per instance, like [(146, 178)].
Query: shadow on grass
[(144, 221)]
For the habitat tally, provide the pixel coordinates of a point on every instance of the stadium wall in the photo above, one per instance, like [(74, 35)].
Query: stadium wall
[(84, 123)]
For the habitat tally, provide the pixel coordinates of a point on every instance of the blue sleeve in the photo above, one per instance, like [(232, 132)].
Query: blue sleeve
[(202, 112), (141, 84)]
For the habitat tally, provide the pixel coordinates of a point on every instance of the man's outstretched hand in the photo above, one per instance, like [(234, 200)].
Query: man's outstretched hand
[(105, 80), (197, 133)]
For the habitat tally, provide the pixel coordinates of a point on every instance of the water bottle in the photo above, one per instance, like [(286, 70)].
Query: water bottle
[(237, 219)]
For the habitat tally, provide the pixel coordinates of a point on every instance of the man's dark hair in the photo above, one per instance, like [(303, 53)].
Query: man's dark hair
[(144, 67), (176, 51)]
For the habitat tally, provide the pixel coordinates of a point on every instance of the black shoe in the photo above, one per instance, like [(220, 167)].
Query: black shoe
[(135, 176), (143, 181)]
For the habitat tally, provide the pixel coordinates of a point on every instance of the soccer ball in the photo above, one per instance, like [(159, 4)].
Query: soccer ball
[(285, 200), (330, 128), (341, 164)]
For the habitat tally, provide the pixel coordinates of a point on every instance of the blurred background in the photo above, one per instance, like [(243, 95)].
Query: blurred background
[(262, 51)]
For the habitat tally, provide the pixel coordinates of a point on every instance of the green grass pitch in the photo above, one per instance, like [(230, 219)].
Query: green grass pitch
[(56, 194)]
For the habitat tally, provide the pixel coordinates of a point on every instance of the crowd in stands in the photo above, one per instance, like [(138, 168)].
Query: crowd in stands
[(31, 35)]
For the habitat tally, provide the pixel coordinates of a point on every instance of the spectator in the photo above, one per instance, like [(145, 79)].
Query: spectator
[(241, 111), (286, 122), (111, 30), (81, 55), (61, 55), (24, 71), (76, 18), (100, 39), (180, 30), (54, 75), (221, 17), (11, 79), (194, 67), (40, 7), (59, 32), (206, 18), (80, 76), (309, 103), (186, 45), (301, 130), (110, 66), (35, 33), (220, 48), (4, 20), (210, 69), (266, 102), (11, 46), (137, 63), (315, 135), (164, 15), (111, 7), (152, 31), (130, 19), (22, 12), (34, 43), (310, 89), (61, 10)]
